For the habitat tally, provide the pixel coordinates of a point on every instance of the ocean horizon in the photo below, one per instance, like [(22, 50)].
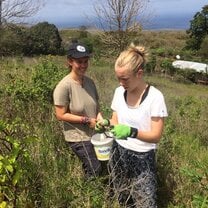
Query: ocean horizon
[(166, 22)]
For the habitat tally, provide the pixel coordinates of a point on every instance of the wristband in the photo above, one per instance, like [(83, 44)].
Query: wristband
[(133, 133), (85, 120)]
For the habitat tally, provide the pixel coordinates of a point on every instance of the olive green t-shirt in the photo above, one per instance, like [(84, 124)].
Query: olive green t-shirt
[(80, 100)]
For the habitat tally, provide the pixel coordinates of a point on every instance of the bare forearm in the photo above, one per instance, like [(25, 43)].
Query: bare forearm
[(68, 117), (151, 137)]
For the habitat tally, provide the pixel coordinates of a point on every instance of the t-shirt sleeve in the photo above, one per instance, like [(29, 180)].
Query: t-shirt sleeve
[(158, 107), (61, 95)]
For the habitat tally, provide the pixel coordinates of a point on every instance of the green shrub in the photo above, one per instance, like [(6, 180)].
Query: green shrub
[(166, 65), (160, 52), (13, 40), (151, 64), (203, 51), (14, 160), (43, 38)]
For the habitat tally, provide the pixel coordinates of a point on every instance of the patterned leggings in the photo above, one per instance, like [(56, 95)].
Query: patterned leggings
[(133, 177)]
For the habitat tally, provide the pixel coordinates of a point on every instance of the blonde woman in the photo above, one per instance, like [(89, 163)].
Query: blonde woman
[(138, 116)]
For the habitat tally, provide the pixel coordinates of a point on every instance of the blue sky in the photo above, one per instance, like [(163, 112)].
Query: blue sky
[(72, 12)]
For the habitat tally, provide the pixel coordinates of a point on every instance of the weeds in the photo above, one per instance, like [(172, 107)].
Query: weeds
[(54, 175)]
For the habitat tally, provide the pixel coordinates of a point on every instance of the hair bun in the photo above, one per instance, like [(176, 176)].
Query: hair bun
[(140, 50)]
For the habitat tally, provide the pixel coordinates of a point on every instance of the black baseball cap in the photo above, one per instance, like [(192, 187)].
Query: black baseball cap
[(78, 50)]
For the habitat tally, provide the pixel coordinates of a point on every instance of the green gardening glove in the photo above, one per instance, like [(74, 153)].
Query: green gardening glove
[(101, 125), (121, 131)]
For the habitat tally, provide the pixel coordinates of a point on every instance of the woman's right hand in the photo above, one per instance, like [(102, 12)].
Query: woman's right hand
[(92, 123)]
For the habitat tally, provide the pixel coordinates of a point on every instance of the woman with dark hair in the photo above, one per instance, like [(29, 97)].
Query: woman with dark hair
[(76, 105)]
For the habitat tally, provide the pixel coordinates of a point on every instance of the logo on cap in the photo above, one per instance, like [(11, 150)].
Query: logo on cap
[(81, 48)]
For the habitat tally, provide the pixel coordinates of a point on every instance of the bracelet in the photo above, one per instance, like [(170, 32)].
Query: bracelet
[(85, 120)]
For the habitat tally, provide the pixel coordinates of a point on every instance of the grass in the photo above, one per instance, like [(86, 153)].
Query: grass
[(53, 175)]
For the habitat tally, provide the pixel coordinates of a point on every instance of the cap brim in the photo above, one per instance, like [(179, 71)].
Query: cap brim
[(80, 55)]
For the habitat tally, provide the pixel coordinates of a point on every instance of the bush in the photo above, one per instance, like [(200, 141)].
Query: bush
[(14, 160), (167, 67), (13, 40), (203, 51), (151, 64), (43, 38), (189, 74)]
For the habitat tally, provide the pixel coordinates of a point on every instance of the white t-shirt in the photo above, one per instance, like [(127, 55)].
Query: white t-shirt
[(139, 117)]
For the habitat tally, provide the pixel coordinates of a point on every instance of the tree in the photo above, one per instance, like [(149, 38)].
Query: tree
[(43, 38), (119, 21), (198, 29), (203, 51), (16, 10)]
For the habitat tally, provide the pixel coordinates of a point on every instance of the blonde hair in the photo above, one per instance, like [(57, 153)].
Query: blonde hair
[(133, 58)]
